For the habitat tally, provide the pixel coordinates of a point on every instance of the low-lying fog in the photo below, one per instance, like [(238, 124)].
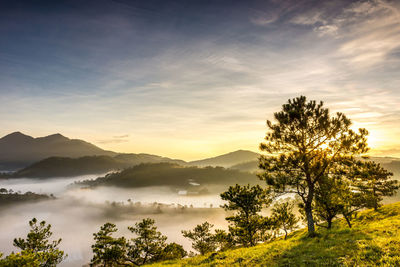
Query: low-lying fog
[(77, 213)]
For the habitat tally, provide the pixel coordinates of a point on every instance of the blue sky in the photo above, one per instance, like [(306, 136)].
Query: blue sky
[(190, 79)]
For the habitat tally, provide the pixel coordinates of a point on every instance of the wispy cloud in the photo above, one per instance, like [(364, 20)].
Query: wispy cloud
[(327, 30)]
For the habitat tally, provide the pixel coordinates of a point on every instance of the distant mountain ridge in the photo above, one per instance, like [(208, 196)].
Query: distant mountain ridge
[(227, 160), (18, 150), (67, 167), (31, 156)]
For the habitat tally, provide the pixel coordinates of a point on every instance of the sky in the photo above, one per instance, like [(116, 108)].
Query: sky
[(193, 79)]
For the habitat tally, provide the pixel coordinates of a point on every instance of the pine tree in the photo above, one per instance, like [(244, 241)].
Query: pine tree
[(37, 246), (108, 250), (371, 179), (283, 217), (172, 251), (202, 238), (304, 145), (223, 240), (148, 245), (330, 198), (247, 227)]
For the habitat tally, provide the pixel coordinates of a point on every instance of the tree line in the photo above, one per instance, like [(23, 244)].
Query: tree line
[(308, 153)]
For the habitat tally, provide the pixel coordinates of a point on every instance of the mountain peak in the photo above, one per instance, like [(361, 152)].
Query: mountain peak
[(56, 137), (243, 151), (229, 159), (16, 137), (18, 150)]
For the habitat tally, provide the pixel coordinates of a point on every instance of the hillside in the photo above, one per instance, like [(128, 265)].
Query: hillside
[(227, 160), (249, 166), (11, 198), (18, 150), (65, 167), (373, 240), (170, 174)]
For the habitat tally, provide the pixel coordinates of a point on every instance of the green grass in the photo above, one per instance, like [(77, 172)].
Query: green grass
[(373, 240)]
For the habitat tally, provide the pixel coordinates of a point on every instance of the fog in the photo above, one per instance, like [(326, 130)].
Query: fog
[(77, 213)]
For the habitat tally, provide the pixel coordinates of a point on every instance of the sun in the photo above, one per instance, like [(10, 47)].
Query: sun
[(324, 146)]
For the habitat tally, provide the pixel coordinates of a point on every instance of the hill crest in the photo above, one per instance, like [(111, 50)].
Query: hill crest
[(228, 160)]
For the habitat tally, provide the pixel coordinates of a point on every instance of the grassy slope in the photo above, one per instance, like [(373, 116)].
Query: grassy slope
[(373, 240)]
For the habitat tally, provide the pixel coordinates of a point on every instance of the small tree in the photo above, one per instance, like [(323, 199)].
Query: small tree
[(283, 217), (305, 144), (148, 245), (108, 250), (223, 240), (38, 246), (247, 226), (353, 201), (172, 251), (330, 198), (202, 239), (374, 182)]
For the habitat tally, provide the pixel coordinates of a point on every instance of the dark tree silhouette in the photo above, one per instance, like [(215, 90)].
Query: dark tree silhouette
[(172, 251), (37, 248), (203, 240), (148, 245), (108, 250)]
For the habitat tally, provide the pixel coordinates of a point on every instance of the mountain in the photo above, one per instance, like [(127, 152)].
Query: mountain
[(372, 241), (18, 150), (227, 160), (65, 167), (132, 159)]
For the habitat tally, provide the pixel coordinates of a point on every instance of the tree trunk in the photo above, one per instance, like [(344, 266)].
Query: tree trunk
[(310, 221), (347, 220), (145, 257), (308, 207), (329, 223), (308, 210)]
